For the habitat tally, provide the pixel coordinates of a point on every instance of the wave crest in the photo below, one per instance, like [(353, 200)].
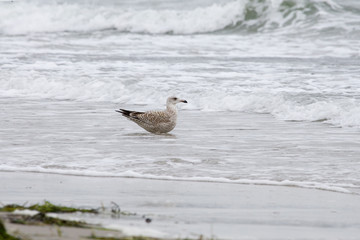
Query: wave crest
[(248, 15)]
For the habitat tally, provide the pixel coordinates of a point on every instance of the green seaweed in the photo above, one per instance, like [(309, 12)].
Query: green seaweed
[(11, 208), (46, 207), (41, 218)]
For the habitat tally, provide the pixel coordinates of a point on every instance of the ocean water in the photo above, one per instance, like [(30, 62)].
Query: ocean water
[(273, 89)]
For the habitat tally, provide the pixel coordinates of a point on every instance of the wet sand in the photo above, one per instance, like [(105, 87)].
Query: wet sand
[(190, 209)]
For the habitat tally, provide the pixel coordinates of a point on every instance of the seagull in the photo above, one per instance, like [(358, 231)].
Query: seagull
[(157, 122)]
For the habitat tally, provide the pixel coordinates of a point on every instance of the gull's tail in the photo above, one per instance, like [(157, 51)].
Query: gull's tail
[(128, 113), (125, 113)]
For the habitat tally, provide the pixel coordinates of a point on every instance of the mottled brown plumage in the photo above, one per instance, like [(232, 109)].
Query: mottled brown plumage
[(155, 121)]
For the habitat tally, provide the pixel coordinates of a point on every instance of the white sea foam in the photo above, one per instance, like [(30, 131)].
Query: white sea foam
[(313, 185), (340, 111), (26, 212)]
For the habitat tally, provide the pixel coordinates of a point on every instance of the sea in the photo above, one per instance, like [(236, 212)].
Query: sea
[(273, 90)]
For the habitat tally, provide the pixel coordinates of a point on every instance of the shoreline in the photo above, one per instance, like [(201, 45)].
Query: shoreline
[(283, 183), (182, 209)]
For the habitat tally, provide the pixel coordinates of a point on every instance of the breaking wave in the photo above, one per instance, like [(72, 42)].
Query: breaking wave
[(288, 106), (233, 17)]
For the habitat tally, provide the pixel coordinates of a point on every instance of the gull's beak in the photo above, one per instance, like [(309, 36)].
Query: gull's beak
[(184, 101)]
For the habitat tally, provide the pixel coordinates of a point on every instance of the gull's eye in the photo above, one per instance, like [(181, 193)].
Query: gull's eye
[(175, 98)]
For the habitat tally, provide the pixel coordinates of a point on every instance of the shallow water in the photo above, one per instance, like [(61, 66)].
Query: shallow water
[(93, 140)]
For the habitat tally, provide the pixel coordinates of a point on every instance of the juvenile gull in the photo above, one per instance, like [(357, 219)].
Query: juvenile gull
[(156, 121)]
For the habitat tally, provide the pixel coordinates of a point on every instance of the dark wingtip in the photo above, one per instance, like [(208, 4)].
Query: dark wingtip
[(125, 113)]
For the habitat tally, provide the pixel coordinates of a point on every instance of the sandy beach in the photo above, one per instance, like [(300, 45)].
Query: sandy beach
[(190, 209)]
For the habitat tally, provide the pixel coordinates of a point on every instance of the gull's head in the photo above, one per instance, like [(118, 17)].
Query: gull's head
[(175, 100)]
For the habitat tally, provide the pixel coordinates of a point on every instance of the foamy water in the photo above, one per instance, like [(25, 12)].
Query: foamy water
[(274, 84)]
